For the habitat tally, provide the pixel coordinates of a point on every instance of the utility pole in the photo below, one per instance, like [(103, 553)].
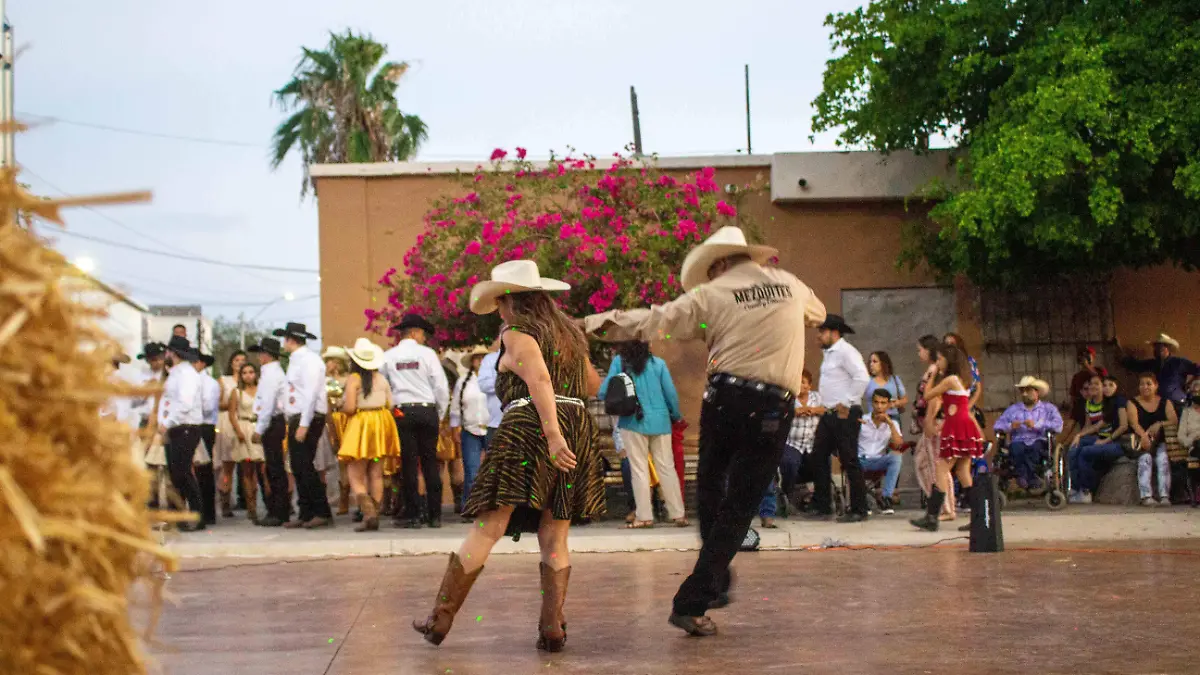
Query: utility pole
[(637, 122), (6, 88), (749, 147)]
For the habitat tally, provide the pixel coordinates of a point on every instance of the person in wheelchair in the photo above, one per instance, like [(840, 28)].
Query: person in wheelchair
[(879, 446), (1026, 424)]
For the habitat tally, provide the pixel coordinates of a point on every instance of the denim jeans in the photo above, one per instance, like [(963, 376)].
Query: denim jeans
[(472, 453), (1025, 460), (1146, 468), (1084, 459), (889, 462), (769, 504)]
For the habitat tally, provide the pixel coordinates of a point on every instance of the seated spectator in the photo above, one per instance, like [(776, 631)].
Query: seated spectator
[(1189, 422), (1087, 368), (879, 442), (1148, 414), (809, 409), (1097, 427), (1172, 372), (1026, 424)]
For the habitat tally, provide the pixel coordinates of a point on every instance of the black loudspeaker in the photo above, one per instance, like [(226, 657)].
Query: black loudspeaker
[(987, 533)]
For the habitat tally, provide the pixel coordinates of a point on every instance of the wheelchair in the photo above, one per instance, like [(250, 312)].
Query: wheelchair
[(1052, 470)]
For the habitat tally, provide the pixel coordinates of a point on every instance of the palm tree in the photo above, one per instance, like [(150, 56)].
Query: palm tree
[(344, 109)]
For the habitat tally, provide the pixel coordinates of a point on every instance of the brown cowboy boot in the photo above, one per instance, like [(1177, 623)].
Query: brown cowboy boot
[(552, 628), (250, 487), (226, 505), (343, 499), (370, 521), (455, 586)]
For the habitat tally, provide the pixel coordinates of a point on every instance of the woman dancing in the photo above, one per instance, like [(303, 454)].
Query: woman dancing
[(925, 454), (370, 438), (243, 451), (961, 438), (543, 466)]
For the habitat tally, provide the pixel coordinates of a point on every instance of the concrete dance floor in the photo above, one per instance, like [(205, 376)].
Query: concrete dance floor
[(1061, 608)]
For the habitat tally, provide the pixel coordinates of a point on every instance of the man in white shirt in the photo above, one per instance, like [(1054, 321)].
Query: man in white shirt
[(420, 391), (305, 407), (180, 416), (844, 378), (210, 401), (270, 429), (879, 436)]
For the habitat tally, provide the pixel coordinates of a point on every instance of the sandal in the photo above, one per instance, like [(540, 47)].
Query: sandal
[(681, 522), (640, 525)]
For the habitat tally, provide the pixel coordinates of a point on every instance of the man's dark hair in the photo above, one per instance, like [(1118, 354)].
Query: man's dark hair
[(178, 325), (883, 394)]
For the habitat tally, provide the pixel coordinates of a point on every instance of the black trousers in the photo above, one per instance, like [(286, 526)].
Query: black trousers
[(205, 477), (181, 449), (310, 491), (418, 431), (838, 436), (278, 504), (742, 434)]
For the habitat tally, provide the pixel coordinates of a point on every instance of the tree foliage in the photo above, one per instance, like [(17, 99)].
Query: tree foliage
[(342, 101), (227, 339), (618, 234), (1076, 126)]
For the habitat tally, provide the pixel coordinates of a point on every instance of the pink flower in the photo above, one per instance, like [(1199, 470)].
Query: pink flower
[(521, 153), (472, 198), (599, 256), (725, 209), (514, 199), (386, 279), (499, 154), (473, 279), (478, 177), (685, 228), (472, 248)]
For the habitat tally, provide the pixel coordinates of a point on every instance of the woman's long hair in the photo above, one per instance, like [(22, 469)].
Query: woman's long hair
[(229, 365), (930, 344), (536, 311), (241, 383), (366, 376), (956, 363), (472, 371), (886, 370), (634, 356)]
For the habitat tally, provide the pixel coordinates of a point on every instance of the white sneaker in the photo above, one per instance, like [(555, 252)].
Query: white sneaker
[(1080, 498), (1149, 501), (1164, 501)]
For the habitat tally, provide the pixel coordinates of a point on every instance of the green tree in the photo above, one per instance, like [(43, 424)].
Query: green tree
[(227, 339), (342, 101), (1076, 127)]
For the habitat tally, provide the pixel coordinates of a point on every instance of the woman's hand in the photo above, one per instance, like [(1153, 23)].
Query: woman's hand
[(1146, 445), (560, 455)]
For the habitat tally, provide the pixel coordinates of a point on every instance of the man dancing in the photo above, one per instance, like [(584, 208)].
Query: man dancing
[(752, 318)]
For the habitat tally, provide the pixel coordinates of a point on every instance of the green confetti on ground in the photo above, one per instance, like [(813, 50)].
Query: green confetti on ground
[(330, 640), (704, 326), (479, 618)]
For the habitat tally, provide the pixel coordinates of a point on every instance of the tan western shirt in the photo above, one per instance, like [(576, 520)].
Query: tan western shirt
[(752, 318)]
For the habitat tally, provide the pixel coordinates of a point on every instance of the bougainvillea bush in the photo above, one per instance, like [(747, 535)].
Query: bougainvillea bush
[(617, 231)]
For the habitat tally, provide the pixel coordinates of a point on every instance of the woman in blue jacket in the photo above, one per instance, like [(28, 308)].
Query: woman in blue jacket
[(649, 435)]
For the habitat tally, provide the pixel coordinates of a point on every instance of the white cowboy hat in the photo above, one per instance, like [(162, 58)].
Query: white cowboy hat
[(1164, 339), (338, 353), (366, 354), (1031, 381), (727, 241), (514, 276), (478, 350)]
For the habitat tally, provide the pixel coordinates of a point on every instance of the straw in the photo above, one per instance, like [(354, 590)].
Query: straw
[(75, 533)]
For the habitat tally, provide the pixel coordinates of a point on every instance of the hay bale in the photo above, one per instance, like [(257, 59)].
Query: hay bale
[(75, 534)]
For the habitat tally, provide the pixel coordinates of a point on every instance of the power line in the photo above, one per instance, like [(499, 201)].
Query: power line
[(190, 258), (138, 132)]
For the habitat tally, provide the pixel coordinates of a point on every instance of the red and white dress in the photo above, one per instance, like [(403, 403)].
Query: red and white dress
[(961, 436)]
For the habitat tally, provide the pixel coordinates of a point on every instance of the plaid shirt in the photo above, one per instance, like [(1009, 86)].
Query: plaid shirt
[(804, 429)]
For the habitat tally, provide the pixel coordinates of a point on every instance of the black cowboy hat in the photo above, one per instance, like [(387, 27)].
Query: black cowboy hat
[(836, 322), (181, 346), (267, 346), (207, 359), (414, 321), (294, 330), (152, 350)]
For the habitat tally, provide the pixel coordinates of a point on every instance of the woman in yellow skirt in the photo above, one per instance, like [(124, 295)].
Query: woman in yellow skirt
[(370, 438)]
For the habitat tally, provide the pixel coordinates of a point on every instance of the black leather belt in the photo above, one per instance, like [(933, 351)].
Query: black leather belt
[(417, 405), (764, 388)]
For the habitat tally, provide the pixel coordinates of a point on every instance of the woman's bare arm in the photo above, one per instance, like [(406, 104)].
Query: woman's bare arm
[(350, 395), (593, 380)]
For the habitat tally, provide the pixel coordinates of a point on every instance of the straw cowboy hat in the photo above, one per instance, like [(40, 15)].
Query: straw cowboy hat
[(336, 354), (366, 354), (727, 241), (478, 350), (1031, 381), (1164, 339), (514, 276)]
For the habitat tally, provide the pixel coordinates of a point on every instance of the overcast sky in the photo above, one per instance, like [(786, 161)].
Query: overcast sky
[(541, 74)]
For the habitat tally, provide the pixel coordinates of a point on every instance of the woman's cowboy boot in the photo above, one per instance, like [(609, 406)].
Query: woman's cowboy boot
[(929, 521), (370, 520), (250, 488), (455, 586), (552, 628), (343, 499), (457, 491), (226, 504)]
